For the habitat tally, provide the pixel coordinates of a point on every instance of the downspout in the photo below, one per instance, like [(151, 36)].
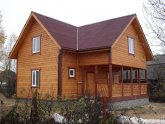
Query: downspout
[(60, 72)]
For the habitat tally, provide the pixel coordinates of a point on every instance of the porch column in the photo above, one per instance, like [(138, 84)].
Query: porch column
[(146, 81), (139, 81), (145, 76), (122, 79), (96, 79), (83, 81), (131, 80), (110, 75), (60, 58)]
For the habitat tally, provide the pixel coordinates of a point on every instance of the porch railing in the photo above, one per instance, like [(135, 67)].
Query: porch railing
[(125, 89), (118, 89)]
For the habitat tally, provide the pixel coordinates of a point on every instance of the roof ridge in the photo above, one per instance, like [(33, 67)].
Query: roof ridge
[(85, 24)]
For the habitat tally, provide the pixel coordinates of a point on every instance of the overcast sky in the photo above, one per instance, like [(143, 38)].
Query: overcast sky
[(75, 12)]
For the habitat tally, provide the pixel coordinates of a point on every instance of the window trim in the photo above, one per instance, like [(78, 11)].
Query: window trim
[(35, 86), (130, 52), (36, 52), (69, 76)]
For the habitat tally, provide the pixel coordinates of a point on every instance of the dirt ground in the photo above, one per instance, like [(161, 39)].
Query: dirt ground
[(6, 106), (151, 111)]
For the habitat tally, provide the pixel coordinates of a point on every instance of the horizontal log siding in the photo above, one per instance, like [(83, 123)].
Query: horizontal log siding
[(102, 89), (93, 58), (120, 55), (117, 90), (70, 85), (127, 89), (143, 88), (136, 90), (46, 61)]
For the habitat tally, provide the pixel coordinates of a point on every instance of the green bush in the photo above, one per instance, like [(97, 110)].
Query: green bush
[(86, 110)]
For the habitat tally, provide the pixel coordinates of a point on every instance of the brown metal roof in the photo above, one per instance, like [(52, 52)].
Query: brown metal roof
[(98, 35), (65, 34), (102, 34)]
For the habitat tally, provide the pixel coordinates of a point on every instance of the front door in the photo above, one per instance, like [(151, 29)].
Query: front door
[(90, 85)]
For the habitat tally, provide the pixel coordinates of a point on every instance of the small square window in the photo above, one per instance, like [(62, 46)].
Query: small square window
[(72, 73), (36, 44), (131, 46)]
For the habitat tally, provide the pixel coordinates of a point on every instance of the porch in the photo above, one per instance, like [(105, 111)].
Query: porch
[(115, 82)]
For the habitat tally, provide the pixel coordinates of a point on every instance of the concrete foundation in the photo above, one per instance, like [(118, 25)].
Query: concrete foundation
[(129, 103)]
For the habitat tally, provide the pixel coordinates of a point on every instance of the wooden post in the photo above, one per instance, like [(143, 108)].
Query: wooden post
[(145, 76), (83, 81), (60, 72), (146, 81), (131, 80), (96, 79), (104, 110), (122, 80), (110, 75), (139, 81)]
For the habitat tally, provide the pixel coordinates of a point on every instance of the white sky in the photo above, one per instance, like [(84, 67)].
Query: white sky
[(75, 12)]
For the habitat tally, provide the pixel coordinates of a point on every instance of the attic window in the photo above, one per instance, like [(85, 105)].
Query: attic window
[(36, 44), (131, 45)]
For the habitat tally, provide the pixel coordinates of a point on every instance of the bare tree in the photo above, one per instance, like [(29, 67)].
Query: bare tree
[(8, 64), (154, 12), (2, 36)]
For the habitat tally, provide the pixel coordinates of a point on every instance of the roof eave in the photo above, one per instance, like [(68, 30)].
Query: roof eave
[(13, 54)]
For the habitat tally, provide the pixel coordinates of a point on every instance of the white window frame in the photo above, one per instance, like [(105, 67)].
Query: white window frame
[(36, 42), (34, 84), (131, 45), (74, 73)]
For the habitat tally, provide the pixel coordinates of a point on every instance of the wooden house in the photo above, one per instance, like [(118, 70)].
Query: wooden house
[(107, 58)]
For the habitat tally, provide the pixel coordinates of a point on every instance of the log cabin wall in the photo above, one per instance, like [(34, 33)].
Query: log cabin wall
[(46, 61), (93, 58), (70, 85), (120, 55)]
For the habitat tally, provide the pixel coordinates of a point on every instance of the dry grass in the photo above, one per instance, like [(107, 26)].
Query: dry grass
[(151, 111), (6, 106)]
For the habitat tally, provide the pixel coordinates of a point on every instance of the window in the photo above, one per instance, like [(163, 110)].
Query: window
[(131, 48), (126, 76), (35, 78), (135, 75), (142, 76), (72, 73), (36, 44)]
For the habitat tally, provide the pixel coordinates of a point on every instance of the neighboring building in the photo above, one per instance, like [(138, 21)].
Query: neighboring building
[(7, 78), (156, 69), (102, 59)]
